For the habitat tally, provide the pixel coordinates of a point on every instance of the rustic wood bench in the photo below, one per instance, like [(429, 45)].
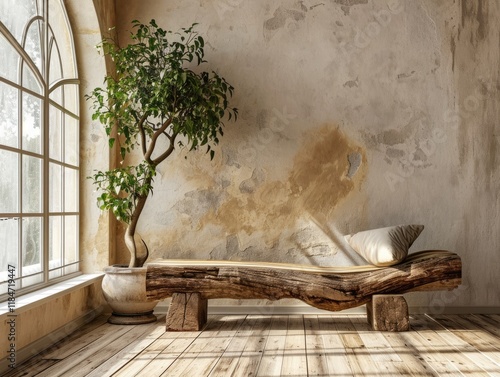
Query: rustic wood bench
[(191, 283)]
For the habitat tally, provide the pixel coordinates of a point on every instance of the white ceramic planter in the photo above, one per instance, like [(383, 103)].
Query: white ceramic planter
[(125, 291)]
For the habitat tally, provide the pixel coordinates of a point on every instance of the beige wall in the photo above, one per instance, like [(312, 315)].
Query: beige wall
[(353, 115)]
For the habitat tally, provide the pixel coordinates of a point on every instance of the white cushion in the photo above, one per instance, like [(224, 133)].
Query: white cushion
[(384, 246)]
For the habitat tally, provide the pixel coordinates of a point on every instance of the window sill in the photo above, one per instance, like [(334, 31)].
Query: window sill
[(30, 300)]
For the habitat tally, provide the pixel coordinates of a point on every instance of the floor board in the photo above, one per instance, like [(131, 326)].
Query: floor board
[(279, 345)]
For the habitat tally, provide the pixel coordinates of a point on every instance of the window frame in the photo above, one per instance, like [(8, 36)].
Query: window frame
[(49, 45)]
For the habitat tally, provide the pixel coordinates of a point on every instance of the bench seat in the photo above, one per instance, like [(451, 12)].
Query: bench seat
[(191, 283)]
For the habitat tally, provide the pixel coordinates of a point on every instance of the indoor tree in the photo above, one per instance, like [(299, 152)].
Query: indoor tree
[(154, 94)]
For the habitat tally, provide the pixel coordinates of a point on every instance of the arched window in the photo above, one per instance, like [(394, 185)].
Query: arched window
[(39, 145)]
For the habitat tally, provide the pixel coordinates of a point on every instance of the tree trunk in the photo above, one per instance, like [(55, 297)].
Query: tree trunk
[(136, 259)]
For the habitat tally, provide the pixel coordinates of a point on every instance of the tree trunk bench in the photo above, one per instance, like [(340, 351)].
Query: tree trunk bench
[(191, 283)]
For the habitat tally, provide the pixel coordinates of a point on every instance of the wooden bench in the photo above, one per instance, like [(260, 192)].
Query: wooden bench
[(191, 283)]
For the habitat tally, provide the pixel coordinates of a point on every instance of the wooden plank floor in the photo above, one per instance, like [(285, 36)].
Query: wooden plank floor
[(279, 345)]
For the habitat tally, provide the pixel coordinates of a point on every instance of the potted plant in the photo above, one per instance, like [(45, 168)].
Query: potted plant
[(154, 101)]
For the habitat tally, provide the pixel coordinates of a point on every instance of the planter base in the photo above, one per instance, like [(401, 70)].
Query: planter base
[(124, 289), (132, 319)]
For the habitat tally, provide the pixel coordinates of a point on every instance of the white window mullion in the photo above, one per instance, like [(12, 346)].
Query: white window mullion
[(46, 139)]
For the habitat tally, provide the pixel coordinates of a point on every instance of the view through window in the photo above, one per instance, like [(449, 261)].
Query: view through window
[(39, 145)]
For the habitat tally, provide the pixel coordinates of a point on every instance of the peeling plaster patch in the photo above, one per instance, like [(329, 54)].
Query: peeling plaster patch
[(482, 19), (197, 203), (393, 136), (229, 157), (425, 26), (319, 250), (303, 237), (249, 186), (219, 253), (307, 243), (95, 138), (346, 5), (232, 244), (476, 14), (350, 3), (283, 15), (419, 158), (453, 48), (405, 75), (351, 83), (401, 145), (354, 163), (394, 153), (410, 148), (466, 9), (316, 5)]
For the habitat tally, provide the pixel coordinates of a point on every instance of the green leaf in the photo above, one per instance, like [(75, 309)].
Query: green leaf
[(154, 84)]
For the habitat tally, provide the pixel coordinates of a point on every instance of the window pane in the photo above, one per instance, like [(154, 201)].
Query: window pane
[(34, 278), (70, 190), (71, 98), (33, 44), (70, 239), (59, 24), (71, 151), (9, 238), (32, 118), (9, 120), (55, 138), (66, 96), (32, 185), (32, 244), (10, 60), (30, 81), (55, 245), (56, 95), (32, 251), (55, 188), (9, 183), (55, 71), (16, 21)]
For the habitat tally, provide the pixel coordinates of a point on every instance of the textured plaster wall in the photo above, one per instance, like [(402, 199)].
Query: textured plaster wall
[(354, 114)]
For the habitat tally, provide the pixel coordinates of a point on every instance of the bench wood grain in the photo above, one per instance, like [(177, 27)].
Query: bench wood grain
[(328, 288)]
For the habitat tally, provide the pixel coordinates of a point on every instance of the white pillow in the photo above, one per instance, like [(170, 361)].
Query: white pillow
[(384, 246)]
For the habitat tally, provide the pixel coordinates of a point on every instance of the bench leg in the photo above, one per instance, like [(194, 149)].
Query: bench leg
[(388, 313), (187, 312)]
